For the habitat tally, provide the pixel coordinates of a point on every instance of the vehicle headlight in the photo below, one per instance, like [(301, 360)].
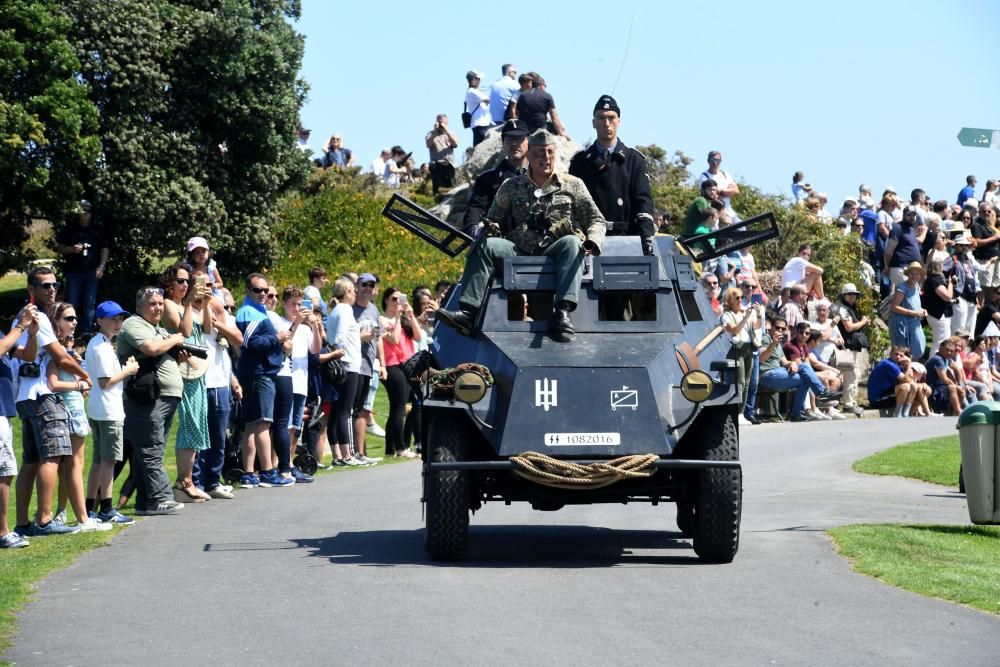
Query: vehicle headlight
[(696, 386), (470, 387)]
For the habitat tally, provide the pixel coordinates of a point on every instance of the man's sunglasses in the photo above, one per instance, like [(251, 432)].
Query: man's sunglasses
[(368, 284), (259, 290), (54, 286)]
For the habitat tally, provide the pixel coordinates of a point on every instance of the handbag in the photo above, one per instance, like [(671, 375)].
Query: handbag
[(335, 371), (466, 116), (144, 387), (885, 308), (414, 367)]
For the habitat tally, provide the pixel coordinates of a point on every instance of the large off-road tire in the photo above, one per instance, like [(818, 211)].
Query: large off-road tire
[(685, 519), (447, 491), (720, 491)]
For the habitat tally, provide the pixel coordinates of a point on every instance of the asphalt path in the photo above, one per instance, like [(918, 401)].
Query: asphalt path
[(335, 573)]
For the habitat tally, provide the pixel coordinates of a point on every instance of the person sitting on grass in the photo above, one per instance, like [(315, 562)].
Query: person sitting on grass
[(106, 411), (946, 392)]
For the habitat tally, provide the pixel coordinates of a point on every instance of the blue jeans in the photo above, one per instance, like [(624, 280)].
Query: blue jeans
[(751, 405), (208, 463), (81, 291), (779, 379)]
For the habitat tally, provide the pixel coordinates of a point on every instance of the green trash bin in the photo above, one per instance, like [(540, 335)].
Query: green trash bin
[(979, 436)]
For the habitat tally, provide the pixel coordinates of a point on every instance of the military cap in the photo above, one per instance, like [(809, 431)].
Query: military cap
[(607, 103), (542, 137), (514, 128)]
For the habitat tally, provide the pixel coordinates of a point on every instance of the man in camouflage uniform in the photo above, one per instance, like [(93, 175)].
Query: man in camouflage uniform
[(538, 212)]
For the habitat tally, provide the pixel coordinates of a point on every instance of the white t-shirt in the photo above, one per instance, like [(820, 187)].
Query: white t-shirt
[(221, 369), (378, 166), (301, 342), (344, 333), (474, 104), (794, 271), (104, 405), (312, 293), (825, 348), (28, 389), (281, 324)]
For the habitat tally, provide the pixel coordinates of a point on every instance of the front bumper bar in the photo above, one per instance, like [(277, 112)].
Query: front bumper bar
[(507, 465)]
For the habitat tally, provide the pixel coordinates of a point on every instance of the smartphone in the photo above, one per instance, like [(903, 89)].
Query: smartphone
[(199, 280), (402, 299), (307, 304), (756, 298)]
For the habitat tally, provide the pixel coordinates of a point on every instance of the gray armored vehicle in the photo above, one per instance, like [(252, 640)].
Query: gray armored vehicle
[(641, 407)]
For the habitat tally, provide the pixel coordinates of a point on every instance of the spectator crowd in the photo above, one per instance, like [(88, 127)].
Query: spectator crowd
[(261, 382)]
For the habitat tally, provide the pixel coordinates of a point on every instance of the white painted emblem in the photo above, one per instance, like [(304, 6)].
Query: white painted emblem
[(624, 398), (607, 105), (546, 395), (620, 202)]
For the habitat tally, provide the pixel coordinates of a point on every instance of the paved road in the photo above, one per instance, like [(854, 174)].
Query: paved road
[(335, 573)]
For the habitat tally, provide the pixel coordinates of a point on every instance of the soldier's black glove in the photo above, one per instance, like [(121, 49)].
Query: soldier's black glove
[(647, 245)]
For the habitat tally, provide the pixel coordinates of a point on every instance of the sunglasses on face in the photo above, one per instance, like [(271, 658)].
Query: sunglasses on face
[(272, 296), (258, 290), (182, 281), (70, 318), (47, 286), (368, 284), (229, 309)]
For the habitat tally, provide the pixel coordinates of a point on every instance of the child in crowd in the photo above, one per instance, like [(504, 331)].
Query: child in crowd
[(200, 259), (313, 297), (71, 389), (106, 410), (26, 321)]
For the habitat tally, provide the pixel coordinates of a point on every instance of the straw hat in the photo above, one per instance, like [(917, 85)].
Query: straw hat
[(915, 266)]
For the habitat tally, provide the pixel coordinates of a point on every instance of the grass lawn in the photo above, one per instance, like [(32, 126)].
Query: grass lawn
[(934, 460), (20, 569), (956, 563)]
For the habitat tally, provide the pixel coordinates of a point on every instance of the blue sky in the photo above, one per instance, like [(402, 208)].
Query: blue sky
[(848, 92)]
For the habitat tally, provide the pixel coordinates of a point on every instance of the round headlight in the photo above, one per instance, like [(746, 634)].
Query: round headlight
[(470, 387), (696, 386)]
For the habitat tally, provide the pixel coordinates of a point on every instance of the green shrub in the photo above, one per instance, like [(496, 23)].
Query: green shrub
[(343, 230)]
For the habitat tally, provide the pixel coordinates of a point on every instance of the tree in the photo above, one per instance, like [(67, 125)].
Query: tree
[(48, 125), (199, 104)]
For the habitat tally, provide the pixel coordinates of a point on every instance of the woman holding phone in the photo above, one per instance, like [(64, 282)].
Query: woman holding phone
[(743, 329), (401, 331)]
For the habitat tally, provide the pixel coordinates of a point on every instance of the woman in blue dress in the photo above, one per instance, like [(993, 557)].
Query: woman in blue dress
[(907, 313)]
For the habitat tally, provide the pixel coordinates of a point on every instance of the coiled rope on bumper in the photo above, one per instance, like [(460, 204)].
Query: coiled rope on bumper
[(561, 474)]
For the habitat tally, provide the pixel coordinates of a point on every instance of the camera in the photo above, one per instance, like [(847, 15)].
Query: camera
[(199, 351), (86, 249), (29, 370)]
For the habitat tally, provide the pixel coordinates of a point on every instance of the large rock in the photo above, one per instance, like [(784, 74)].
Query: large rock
[(486, 156)]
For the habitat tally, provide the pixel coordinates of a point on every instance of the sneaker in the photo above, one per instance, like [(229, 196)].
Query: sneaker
[(25, 531), (339, 463), (375, 430), (93, 526), (323, 466), (13, 541), (116, 517), (60, 516), (221, 493), (55, 528), (166, 507), (834, 413), (370, 460), (856, 410), (354, 462), (817, 415), (300, 477), (249, 480), (274, 478)]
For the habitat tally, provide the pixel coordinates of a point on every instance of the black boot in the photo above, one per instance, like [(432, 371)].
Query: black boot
[(560, 325), (460, 320)]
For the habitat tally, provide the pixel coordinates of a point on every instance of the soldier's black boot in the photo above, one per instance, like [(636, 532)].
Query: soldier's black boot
[(460, 320), (560, 325)]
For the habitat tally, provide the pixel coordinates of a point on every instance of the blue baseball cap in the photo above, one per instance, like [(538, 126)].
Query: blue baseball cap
[(367, 278), (110, 309)]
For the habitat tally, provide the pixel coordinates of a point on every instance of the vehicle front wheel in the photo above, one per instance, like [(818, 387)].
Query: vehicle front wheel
[(720, 491), (447, 491)]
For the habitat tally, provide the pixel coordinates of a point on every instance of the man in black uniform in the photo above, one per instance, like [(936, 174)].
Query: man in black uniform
[(515, 150), (616, 177)]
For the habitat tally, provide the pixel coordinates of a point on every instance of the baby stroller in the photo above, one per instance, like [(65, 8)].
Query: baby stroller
[(232, 463), (312, 422)]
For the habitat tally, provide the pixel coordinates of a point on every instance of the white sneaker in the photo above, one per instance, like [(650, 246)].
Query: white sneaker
[(93, 526), (351, 461), (369, 460), (375, 430), (743, 421), (833, 413), (816, 415)]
